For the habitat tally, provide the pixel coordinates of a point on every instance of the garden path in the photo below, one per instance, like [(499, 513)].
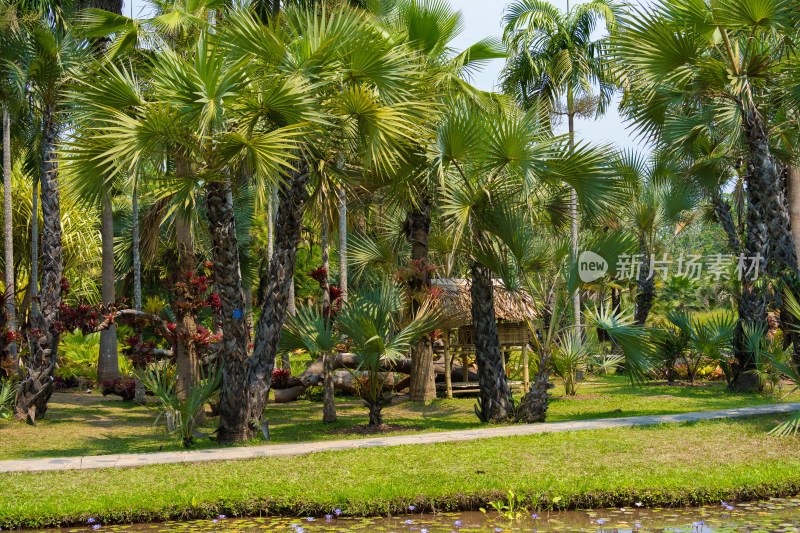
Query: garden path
[(286, 450)]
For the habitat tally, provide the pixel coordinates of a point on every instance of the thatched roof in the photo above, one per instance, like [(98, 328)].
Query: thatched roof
[(456, 302)]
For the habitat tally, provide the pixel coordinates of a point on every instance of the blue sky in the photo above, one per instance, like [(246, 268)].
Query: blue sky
[(482, 18)]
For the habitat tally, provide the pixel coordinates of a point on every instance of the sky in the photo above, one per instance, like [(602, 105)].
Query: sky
[(483, 18)]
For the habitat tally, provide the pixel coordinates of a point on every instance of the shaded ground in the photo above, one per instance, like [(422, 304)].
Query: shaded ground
[(88, 424)]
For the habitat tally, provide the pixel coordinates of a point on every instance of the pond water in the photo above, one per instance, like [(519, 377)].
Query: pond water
[(776, 515)]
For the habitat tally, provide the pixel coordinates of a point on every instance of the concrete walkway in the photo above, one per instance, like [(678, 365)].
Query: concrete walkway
[(286, 450)]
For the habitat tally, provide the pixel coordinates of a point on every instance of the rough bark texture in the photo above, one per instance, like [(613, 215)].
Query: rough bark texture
[(533, 407), (187, 360), (107, 362), (324, 246), (228, 279), (767, 197), (8, 232), (573, 225), (139, 391), (645, 287), (36, 388), (753, 302), (328, 401), (246, 384), (34, 282), (343, 243), (495, 402), (423, 381), (793, 201), (722, 211), (375, 415)]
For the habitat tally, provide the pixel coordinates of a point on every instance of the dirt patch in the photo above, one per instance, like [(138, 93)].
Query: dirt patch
[(581, 397), (371, 430)]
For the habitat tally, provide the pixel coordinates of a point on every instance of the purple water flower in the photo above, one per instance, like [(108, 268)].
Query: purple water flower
[(328, 517), (222, 517), (498, 529), (96, 526), (90, 520), (639, 504), (729, 507), (457, 523), (601, 520), (337, 512), (637, 525), (698, 524), (300, 529), (423, 530), (214, 521), (310, 519), (534, 515), (412, 507), (409, 521)]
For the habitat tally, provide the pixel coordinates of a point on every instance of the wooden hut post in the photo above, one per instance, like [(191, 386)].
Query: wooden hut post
[(448, 380), (526, 378), (464, 367)]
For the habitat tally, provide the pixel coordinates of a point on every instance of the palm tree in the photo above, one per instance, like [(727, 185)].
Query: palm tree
[(369, 320), (371, 112), (728, 57), (314, 330), (493, 163), (107, 361), (659, 199), (428, 28), (50, 58), (556, 60)]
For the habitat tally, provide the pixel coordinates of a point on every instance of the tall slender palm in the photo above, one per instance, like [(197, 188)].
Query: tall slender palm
[(51, 57), (659, 200), (429, 28), (556, 60), (492, 162), (371, 111), (107, 361)]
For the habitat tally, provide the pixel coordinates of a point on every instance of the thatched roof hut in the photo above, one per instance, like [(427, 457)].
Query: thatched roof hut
[(456, 302)]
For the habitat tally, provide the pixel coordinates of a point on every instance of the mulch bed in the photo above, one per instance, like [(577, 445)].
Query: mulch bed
[(370, 430)]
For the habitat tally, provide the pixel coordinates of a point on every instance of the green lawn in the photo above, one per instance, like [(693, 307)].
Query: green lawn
[(680, 464), (83, 424)]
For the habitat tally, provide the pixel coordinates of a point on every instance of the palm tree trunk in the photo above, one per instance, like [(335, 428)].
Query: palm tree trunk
[(227, 275), (187, 360), (422, 380), (533, 407), (343, 243), (764, 185), (107, 362), (494, 404), (245, 388), (325, 256), (8, 233), (328, 400), (139, 391), (722, 210), (645, 285), (573, 224), (34, 283), (273, 213), (35, 390)]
